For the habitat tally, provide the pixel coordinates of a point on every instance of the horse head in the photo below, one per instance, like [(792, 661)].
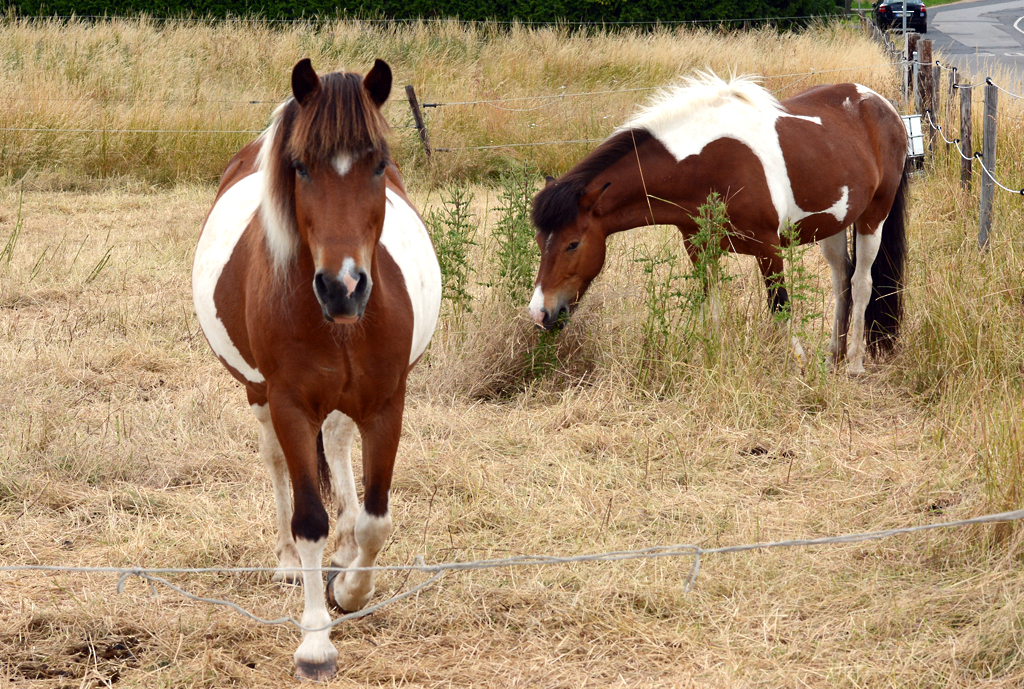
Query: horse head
[(327, 157), (572, 248)]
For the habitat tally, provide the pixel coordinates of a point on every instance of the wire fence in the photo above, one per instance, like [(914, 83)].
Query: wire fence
[(151, 575), (550, 99), (977, 156)]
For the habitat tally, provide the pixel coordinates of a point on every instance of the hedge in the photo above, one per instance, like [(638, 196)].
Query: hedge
[(628, 11)]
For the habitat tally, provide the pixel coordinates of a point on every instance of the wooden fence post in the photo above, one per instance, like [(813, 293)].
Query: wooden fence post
[(966, 131), (418, 117), (988, 159), (936, 103), (911, 65), (923, 74)]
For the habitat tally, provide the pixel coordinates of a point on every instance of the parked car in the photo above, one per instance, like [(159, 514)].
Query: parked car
[(889, 15)]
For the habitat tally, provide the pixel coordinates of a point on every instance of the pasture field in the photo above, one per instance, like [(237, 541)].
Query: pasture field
[(123, 442)]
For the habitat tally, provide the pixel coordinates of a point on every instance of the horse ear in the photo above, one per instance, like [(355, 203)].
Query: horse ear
[(548, 181), (305, 82), (589, 200), (377, 82)]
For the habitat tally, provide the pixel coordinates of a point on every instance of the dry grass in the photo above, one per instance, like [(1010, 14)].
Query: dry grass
[(125, 443), (130, 74)]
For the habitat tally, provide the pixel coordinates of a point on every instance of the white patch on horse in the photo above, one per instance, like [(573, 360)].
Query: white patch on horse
[(860, 288), (815, 120), (406, 239), (230, 216), (316, 647), (273, 456), (536, 304), (355, 589), (838, 210), (865, 92), (346, 275), (339, 432), (688, 117), (834, 250), (343, 163), (278, 226)]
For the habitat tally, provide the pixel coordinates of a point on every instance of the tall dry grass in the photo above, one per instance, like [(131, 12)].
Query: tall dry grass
[(123, 441), (197, 77)]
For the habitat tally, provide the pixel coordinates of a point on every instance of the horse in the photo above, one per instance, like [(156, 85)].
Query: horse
[(317, 286), (828, 158)]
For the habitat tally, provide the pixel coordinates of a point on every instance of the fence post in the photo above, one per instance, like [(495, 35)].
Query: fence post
[(966, 131), (950, 94), (414, 105), (910, 66), (988, 159), (923, 74), (936, 103)]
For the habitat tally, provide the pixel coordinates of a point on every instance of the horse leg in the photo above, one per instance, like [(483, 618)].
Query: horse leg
[(373, 523), (867, 245), (834, 250), (771, 267), (316, 658), (273, 457), (339, 432)]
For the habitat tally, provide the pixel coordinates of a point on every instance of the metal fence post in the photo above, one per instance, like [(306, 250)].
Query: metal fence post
[(966, 131), (950, 94), (988, 159)]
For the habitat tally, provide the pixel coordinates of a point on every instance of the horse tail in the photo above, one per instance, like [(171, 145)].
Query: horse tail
[(885, 307), (323, 470)]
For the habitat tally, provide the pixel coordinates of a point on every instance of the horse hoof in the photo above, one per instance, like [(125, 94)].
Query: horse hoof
[(315, 672), (348, 604)]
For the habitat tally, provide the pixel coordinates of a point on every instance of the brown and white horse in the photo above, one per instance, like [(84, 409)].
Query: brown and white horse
[(317, 286), (830, 157)]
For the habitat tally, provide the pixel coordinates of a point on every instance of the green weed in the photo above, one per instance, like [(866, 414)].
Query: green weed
[(451, 229), (515, 256)]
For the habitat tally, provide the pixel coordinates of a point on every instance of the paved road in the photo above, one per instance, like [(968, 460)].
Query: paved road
[(982, 38)]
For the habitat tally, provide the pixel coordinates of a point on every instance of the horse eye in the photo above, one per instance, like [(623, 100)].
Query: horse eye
[(301, 169), (572, 246), (380, 166)]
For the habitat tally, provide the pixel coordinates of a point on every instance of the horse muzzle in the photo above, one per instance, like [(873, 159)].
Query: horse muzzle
[(343, 300), (554, 320)]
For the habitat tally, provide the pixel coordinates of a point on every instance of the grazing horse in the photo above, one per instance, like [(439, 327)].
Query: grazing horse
[(830, 157), (317, 286)]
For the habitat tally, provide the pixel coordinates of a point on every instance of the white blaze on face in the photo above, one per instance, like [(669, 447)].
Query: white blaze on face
[(536, 306), (343, 163)]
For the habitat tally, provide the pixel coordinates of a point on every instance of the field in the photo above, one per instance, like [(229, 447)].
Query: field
[(124, 443)]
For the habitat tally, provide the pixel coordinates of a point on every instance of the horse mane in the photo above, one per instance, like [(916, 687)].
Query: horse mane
[(340, 118), (676, 105), (557, 204)]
